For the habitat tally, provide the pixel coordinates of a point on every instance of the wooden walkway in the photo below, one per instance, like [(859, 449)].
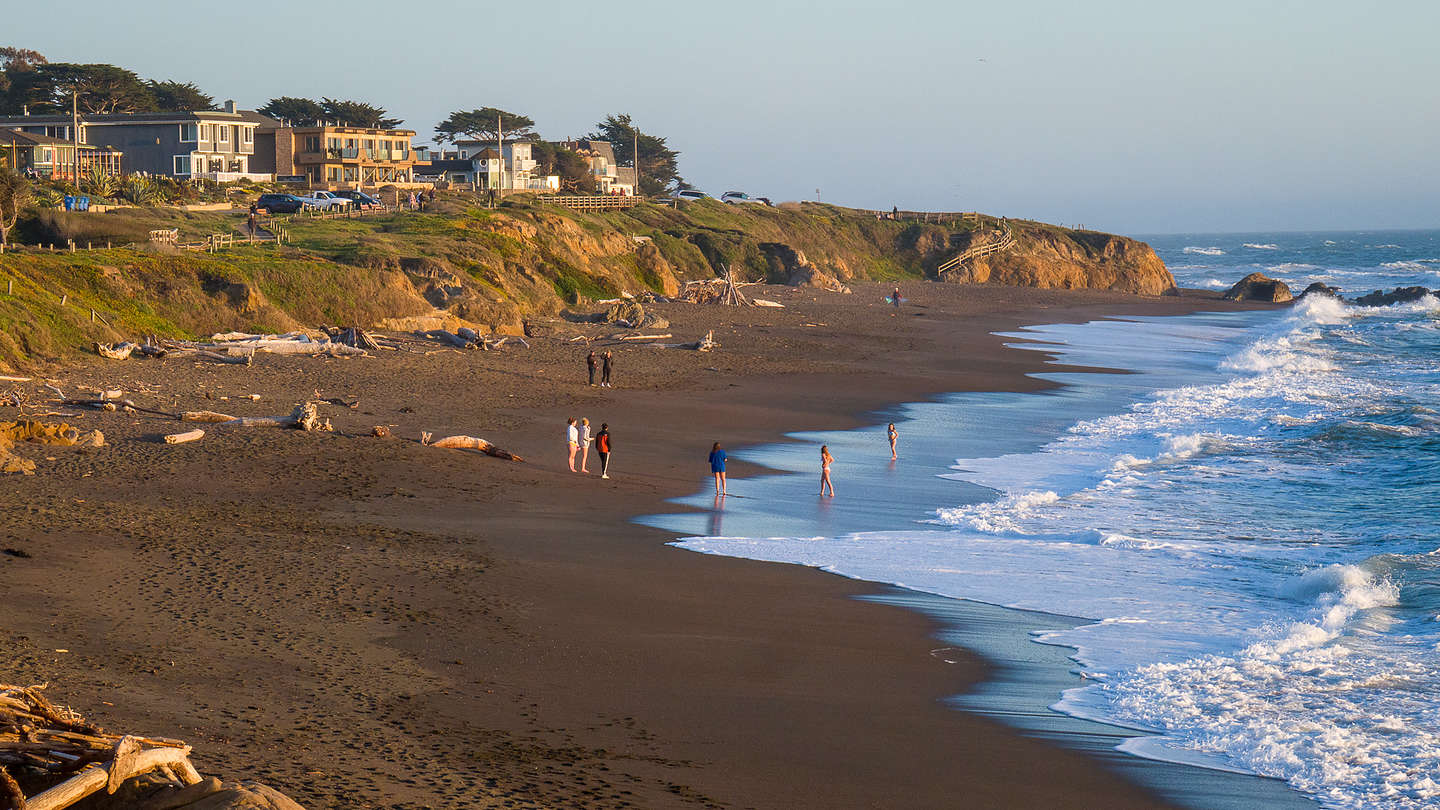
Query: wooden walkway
[(592, 203), (1003, 239)]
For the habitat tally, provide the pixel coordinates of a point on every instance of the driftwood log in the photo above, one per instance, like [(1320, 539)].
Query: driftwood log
[(206, 416), (189, 436), (470, 443), (115, 351)]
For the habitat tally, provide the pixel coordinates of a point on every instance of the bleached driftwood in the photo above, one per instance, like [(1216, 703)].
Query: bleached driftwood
[(8, 378), (449, 338), (762, 302), (115, 351), (641, 337), (470, 443), (189, 436), (705, 344), (205, 416), (306, 416), (92, 780), (108, 404)]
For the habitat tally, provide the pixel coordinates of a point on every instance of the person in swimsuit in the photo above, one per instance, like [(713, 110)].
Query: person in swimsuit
[(585, 446), (894, 436), (572, 437), (717, 467), (825, 461)]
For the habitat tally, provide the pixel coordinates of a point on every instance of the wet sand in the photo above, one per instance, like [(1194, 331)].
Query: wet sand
[(368, 622)]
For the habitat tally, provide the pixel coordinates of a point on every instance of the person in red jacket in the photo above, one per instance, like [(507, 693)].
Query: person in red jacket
[(602, 446)]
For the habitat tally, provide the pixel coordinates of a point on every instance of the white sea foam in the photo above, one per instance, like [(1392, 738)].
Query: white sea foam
[(1254, 246), (1205, 251)]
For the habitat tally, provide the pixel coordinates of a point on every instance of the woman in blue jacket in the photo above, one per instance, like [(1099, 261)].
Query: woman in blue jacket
[(717, 467)]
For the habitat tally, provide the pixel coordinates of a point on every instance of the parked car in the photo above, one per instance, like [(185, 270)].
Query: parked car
[(691, 194), (737, 197), (279, 203), (360, 199), (325, 201)]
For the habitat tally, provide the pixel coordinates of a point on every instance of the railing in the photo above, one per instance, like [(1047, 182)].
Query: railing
[(1006, 240), (591, 203)]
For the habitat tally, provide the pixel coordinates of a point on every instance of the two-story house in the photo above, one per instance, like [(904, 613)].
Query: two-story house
[(609, 177), (488, 165), (336, 157), (210, 144)]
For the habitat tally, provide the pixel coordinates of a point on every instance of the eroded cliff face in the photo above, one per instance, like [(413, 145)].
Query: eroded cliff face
[(1056, 258)]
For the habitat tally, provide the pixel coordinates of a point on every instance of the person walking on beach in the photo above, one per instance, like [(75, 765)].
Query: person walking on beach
[(894, 436), (602, 448), (584, 445), (572, 437), (895, 298), (590, 363), (605, 371), (825, 461), (717, 467)]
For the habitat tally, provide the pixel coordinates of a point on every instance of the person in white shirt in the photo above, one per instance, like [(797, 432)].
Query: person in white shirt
[(572, 435), (584, 445)]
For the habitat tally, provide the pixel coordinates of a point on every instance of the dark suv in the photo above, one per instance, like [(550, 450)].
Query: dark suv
[(279, 203), (360, 199)]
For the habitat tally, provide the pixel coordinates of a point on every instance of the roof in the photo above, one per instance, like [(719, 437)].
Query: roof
[(183, 117), (439, 166), (14, 137), (261, 121), (625, 175), (486, 154)]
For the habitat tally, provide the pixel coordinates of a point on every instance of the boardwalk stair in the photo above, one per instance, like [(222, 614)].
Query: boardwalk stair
[(1002, 238)]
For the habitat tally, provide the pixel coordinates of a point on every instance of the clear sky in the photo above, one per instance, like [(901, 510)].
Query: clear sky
[(1141, 117)]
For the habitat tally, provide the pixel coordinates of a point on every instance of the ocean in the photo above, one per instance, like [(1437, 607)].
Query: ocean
[(1240, 521)]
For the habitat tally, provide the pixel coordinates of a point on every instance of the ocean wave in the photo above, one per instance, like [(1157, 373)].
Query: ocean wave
[(1254, 246), (1204, 251), (1285, 267), (1215, 284)]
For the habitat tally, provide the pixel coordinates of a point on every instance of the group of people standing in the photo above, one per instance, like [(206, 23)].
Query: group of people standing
[(577, 435)]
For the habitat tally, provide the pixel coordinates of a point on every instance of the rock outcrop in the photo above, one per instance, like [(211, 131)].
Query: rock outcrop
[(1399, 295), (1057, 258), (1320, 289), (1259, 287), (789, 266)]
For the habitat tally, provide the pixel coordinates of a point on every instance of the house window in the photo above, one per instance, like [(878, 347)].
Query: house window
[(224, 133), (187, 133), (249, 134), (46, 156), (182, 164), (312, 143), (334, 174)]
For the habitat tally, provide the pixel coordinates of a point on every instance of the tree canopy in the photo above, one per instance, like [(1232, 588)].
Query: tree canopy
[(481, 125), (358, 114), (573, 170), (296, 111), (659, 164), (179, 96)]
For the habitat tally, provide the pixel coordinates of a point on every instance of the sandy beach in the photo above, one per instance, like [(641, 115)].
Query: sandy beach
[(367, 622)]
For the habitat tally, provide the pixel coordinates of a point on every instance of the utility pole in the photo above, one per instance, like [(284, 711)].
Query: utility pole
[(75, 134), (500, 141), (636, 136)]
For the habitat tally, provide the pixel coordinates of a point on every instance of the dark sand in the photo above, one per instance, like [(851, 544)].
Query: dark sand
[(370, 623)]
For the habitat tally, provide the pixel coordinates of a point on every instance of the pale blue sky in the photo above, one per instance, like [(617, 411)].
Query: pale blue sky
[(1125, 116)]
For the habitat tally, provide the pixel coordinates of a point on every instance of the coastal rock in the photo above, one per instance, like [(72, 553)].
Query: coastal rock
[(1259, 287), (655, 270), (1321, 289), (789, 266), (1059, 258), (628, 313), (1399, 295)]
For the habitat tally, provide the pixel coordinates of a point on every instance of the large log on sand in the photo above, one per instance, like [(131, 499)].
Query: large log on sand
[(474, 443)]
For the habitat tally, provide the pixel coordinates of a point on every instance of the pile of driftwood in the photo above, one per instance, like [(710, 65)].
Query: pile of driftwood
[(237, 347), (467, 338), (704, 344), (51, 758)]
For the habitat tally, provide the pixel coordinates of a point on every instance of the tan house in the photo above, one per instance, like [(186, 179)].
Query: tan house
[(335, 156)]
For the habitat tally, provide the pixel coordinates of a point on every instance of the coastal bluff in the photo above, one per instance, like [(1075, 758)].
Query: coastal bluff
[(460, 263), (1050, 257)]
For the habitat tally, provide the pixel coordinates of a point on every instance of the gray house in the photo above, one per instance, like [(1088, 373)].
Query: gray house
[(210, 145)]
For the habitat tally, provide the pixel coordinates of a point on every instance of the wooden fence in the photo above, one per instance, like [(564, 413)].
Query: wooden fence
[(592, 203)]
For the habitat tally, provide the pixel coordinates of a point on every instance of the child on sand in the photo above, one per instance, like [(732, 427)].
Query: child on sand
[(825, 461), (572, 437), (894, 436), (584, 445), (717, 467)]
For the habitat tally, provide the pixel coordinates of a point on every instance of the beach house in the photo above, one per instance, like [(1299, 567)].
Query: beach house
[(209, 144), (610, 178), (490, 165), (46, 156)]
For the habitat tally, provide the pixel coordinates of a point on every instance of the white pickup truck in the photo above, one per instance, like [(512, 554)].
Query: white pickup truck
[(325, 201)]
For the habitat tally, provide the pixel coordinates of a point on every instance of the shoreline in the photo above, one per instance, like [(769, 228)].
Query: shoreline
[(499, 644)]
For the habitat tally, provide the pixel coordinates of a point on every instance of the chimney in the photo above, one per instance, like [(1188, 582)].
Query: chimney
[(229, 105)]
